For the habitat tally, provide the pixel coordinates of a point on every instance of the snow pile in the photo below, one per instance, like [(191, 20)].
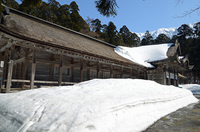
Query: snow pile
[(109, 105), (144, 54), (194, 88)]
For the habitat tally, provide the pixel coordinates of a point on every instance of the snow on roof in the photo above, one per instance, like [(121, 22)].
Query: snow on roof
[(100, 105), (143, 55)]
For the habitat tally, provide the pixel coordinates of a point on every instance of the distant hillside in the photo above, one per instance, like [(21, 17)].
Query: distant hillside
[(167, 31)]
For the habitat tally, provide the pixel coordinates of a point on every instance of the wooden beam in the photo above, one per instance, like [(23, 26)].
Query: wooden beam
[(60, 71), (10, 69), (8, 45), (73, 54), (38, 81), (33, 68)]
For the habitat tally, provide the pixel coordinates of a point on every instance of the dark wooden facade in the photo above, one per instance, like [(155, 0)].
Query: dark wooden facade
[(38, 53)]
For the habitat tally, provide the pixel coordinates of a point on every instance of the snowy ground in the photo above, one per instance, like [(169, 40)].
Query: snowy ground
[(194, 88), (109, 105)]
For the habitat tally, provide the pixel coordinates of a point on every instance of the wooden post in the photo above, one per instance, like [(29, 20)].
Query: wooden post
[(33, 67), (60, 71), (0, 66), (88, 71), (98, 70), (10, 70), (138, 74), (169, 79), (131, 72), (122, 69), (145, 74), (177, 77), (24, 68), (5, 68), (111, 71), (51, 72), (81, 70), (72, 71), (51, 68)]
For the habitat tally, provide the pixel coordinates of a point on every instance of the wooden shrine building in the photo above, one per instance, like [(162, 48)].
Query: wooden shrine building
[(38, 53), (173, 70)]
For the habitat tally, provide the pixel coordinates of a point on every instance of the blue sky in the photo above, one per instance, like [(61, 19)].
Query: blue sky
[(142, 15)]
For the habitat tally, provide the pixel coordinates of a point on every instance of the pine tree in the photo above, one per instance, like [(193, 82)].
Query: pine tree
[(129, 39), (106, 7), (112, 33), (97, 25), (162, 38), (184, 31), (148, 39), (10, 3)]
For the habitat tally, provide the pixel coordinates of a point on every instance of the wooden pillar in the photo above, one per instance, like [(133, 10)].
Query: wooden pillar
[(122, 71), (98, 70), (10, 69), (169, 79), (5, 69), (51, 72), (145, 74), (72, 71), (24, 68), (81, 70), (60, 71), (88, 71), (175, 78), (51, 68), (138, 74), (33, 67), (0, 64), (111, 71)]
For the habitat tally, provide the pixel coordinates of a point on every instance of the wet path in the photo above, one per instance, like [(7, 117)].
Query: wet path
[(186, 119)]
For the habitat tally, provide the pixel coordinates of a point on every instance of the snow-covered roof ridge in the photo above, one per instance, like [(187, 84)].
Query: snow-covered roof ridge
[(143, 55)]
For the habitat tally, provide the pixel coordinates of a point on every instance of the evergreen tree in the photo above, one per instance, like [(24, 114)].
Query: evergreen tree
[(10, 3), (197, 29), (77, 22), (184, 31), (162, 38), (27, 6), (148, 39), (129, 39), (97, 25), (106, 7), (112, 33)]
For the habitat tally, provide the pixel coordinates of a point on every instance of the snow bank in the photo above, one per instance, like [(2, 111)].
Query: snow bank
[(109, 105), (144, 54), (194, 88)]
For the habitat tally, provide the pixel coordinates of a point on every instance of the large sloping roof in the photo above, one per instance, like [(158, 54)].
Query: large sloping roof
[(144, 55), (35, 28)]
